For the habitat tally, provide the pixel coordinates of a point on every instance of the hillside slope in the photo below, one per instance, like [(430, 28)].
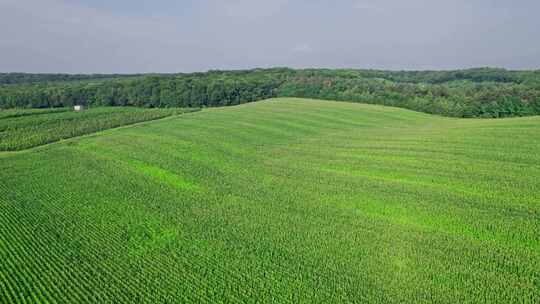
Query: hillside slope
[(285, 200)]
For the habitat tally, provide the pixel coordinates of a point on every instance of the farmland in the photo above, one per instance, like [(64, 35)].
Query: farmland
[(283, 200), (26, 128)]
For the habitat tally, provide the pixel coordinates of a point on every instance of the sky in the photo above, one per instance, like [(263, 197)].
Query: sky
[(167, 36)]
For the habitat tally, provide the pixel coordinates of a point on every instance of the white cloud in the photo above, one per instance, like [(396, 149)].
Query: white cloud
[(366, 5), (302, 48), (248, 9), (63, 36), (54, 36)]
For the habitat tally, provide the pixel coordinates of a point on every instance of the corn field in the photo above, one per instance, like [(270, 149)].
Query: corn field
[(23, 129), (279, 201)]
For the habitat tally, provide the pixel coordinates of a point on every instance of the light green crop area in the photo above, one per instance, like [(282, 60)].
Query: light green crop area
[(285, 200)]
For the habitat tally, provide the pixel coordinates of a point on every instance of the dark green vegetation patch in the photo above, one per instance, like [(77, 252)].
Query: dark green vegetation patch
[(22, 129), (279, 201), (485, 92)]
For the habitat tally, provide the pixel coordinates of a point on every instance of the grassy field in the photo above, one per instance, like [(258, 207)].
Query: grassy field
[(285, 200), (23, 129)]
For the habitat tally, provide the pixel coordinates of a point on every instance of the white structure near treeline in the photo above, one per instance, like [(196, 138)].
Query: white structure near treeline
[(78, 108)]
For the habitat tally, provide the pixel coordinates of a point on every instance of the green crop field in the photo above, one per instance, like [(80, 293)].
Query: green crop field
[(285, 201), (22, 129)]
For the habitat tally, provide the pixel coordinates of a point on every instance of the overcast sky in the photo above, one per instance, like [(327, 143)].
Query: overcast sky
[(135, 36)]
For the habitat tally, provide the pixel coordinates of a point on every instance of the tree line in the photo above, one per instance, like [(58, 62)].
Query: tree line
[(480, 92)]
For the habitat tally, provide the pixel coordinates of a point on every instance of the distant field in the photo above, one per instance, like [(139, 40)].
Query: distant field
[(12, 113), (285, 200), (22, 129)]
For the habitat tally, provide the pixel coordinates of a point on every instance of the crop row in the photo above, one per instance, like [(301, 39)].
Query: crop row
[(26, 131), (288, 201)]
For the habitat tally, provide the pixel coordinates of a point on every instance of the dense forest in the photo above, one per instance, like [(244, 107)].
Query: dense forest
[(482, 92), (20, 78)]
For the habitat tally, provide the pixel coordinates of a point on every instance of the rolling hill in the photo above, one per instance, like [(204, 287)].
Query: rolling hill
[(283, 200)]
